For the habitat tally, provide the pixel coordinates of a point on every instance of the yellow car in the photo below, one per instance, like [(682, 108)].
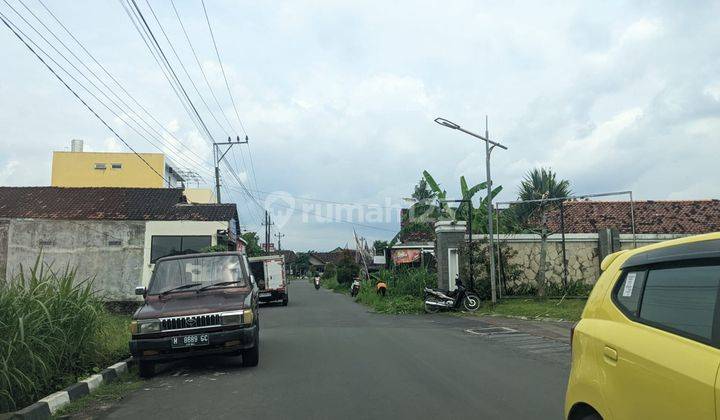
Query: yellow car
[(648, 343)]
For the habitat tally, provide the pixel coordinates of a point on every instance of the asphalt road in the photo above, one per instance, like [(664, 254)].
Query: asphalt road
[(325, 357)]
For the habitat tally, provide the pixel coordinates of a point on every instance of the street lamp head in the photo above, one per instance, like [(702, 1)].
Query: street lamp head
[(447, 123)]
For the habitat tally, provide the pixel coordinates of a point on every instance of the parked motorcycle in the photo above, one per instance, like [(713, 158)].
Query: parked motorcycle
[(355, 288), (317, 283), (460, 298)]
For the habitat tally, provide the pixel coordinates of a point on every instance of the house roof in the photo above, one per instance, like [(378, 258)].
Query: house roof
[(104, 203), (290, 256), (334, 256), (651, 217)]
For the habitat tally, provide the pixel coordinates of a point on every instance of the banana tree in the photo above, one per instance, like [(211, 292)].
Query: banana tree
[(466, 208), (440, 195)]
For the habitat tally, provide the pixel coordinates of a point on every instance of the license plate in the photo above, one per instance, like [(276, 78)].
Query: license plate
[(190, 341), (265, 294)]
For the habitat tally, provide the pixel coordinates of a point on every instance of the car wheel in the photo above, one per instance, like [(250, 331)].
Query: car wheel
[(251, 356), (146, 369)]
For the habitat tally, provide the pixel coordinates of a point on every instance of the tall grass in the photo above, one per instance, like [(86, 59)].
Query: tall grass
[(52, 329), (404, 290)]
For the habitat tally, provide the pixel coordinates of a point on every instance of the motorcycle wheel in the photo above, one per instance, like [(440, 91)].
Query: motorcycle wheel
[(471, 303), (431, 309)]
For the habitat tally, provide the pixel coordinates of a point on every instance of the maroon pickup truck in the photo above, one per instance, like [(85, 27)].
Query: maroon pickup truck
[(195, 305)]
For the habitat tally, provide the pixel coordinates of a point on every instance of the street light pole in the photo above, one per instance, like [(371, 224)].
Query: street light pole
[(488, 150), (489, 145)]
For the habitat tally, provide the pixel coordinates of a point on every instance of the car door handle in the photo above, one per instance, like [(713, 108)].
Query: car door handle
[(610, 353)]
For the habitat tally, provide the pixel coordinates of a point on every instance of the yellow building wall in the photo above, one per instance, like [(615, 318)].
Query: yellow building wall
[(77, 169), (200, 195)]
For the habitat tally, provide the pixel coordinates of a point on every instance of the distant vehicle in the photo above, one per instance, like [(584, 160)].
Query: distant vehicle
[(195, 305), (317, 283), (460, 298), (647, 346), (355, 288), (269, 272)]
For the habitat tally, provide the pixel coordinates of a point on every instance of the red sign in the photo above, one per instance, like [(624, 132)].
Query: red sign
[(405, 256)]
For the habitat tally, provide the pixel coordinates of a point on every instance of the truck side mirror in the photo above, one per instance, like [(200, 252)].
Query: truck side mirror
[(140, 290)]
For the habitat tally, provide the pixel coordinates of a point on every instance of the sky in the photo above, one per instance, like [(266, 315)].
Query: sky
[(338, 99)]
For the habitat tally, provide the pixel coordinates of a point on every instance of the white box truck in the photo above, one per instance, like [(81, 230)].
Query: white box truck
[(269, 273)]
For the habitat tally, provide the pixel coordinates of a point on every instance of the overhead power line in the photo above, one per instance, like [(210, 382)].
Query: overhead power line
[(60, 79), (125, 110), (182, 65), (146, 33), (227, 86), (197, 61), (222, 68)]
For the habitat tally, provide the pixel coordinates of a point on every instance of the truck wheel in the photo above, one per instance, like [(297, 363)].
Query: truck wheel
[(251, 356), (146, 369), (285, 300)]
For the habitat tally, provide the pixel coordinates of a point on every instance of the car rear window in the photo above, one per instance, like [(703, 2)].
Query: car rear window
[(681, 299), (630, 290)]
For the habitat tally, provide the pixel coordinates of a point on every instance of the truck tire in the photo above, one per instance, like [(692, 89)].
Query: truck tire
[(251, 356), (285, 300), (146, 369)]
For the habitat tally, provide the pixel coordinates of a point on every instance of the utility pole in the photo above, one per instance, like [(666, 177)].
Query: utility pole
[(279, 236), (218, 157), (267, 225)]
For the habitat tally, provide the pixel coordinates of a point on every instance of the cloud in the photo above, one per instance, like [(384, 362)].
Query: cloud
[(338, 99)]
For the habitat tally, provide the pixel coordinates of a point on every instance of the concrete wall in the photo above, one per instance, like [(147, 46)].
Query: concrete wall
[(4, 226), (448, 235), (109, 251), (582, 251)]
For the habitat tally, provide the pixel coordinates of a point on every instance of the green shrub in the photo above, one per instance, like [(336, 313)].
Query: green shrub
[(330, 271), (406, 281), (552, 289), (404, 290), (52, 329), (347, 269)]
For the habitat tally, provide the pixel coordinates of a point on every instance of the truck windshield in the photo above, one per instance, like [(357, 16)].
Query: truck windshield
[(201, 271)]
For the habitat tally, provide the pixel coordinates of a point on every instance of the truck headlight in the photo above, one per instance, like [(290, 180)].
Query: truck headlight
[(144, 326), (241, 317)]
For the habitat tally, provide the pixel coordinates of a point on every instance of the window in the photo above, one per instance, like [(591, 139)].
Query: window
[(682, 299), (116, 165), (162, 246), (194, 244), (100, 166), (630, 290)]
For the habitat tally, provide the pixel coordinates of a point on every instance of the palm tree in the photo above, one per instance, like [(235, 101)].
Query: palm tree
[(540, 184)]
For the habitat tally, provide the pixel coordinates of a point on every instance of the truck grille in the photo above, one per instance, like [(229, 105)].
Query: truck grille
[(190, 321)]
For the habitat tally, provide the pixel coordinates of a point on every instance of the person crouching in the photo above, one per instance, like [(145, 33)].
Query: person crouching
[(381, 288)]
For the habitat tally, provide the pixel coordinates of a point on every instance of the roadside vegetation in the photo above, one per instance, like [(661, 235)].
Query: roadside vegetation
[(104, 396), (565, 309), (53, 331), (404, 289)]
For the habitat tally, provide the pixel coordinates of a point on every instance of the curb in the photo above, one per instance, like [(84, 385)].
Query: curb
[(47, 406)]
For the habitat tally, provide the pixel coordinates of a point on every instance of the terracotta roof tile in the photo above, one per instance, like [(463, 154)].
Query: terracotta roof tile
[(107, 204), (660, 217)]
